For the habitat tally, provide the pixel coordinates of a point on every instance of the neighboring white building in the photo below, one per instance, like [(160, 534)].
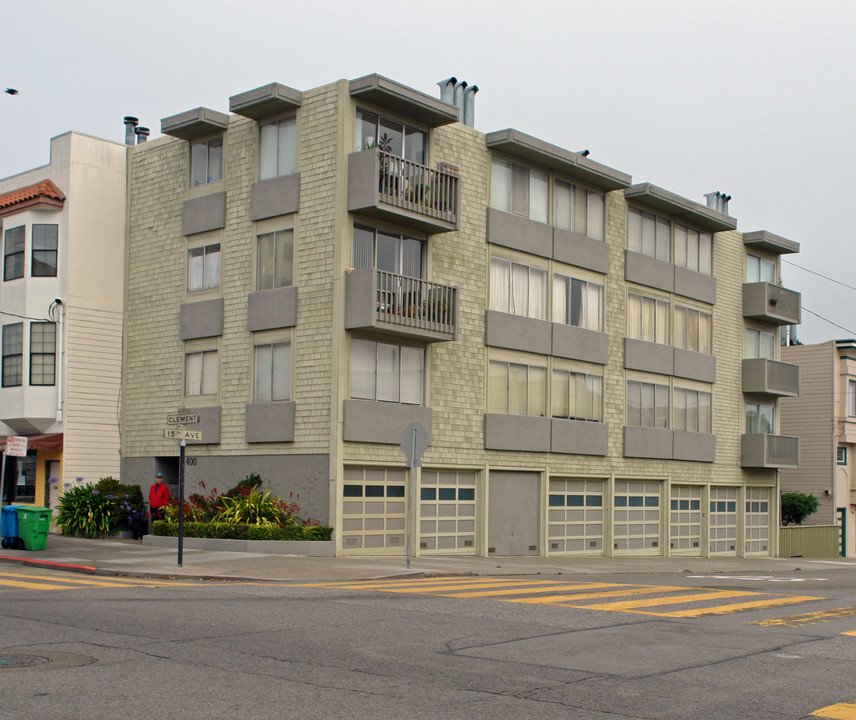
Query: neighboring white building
[(61, 297)]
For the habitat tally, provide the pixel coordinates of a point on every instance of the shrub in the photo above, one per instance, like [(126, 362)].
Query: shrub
[(124, 500), (254, 508), (84, 510), (233, 531), (796, 507)]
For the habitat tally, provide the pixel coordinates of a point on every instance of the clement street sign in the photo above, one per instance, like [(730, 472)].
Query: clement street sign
[(182, 434), (182, 418)]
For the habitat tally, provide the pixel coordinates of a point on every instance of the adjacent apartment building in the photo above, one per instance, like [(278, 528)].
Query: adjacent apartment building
[(61, 298), (825, 417), (594, 360)]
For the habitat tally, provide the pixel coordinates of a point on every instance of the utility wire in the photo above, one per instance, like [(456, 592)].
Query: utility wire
[(811, 312), (821, 275), (24, 317)]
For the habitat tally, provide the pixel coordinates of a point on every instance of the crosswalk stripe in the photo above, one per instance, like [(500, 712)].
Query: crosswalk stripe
[(840, 711), (434, 584), (737, 607), (546, 588), (628, 590), (670, 600), (435, 588), (809, 618)]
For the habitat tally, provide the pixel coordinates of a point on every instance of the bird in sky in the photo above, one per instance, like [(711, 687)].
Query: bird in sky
[(11, 91)]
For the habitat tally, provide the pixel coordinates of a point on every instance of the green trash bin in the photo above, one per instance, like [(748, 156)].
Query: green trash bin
[(33, 525)]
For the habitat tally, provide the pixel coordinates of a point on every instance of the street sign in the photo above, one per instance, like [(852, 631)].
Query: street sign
[(414, 442), (182, 418), (16, 446), (181, 434)]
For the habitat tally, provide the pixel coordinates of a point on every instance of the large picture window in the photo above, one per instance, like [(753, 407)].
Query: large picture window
[(42, 353), (647, 404), (518, 289), (201, 373), (206, 162), (691, 411), (692, 329), (517, 389), (386, 372), (44, 250), (390, 136), (517, 189), (13, 354), (13, 253), (275, 260), (648, 234), (578, 210), (577, 396), (577, 302), (647, 319), (278, 148), (203, 267), (693, 249), (272, 372), (387, 251)]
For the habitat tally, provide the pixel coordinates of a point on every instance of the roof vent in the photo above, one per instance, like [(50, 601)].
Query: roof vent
[(130, 125), (142, 134), (462, 95), (718, 201)]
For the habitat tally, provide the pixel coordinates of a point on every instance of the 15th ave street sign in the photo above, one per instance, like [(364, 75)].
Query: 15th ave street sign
[(182, 419), (182, 434)]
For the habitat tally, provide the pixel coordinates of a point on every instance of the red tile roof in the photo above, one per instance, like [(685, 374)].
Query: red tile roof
[(43, 193)]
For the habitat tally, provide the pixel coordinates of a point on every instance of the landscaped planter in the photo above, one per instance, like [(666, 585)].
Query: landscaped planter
[(308, 548)]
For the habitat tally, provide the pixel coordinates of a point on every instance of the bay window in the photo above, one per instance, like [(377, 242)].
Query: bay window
[(13, 253), (278, 148), (647, 319), (647, 404), (516, 388), (577, 396), (518, 289), (648, 234), (13, 355), (577, 302), (386, 372), (518, 190), (692, 329), (691, 411), (578, 210), (44, 238), (693, 249)]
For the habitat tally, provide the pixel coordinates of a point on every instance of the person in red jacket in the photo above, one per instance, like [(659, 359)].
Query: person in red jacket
[(158, 497)]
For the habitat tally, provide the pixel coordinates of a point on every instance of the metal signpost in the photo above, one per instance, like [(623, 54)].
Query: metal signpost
[(16, 446), (175, 430), (414, 442)]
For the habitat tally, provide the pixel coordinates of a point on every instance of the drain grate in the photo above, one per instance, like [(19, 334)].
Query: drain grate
[(20, 661)]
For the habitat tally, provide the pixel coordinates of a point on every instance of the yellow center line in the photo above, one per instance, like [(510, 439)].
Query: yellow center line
[(628, 590), (532, 590), (841, 711)]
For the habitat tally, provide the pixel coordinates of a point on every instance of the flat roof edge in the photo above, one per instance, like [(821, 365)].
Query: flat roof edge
[(680, 206)]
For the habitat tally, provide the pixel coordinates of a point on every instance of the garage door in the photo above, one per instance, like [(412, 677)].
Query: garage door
[(447, 512), (636, 513), (374, 511), (575, 516)]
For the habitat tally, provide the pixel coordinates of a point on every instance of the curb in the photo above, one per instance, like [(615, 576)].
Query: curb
[(67, 567)]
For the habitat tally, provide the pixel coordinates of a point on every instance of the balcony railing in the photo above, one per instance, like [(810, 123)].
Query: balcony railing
[(383, 184), (770, 377), (400, 305), (771, 303), (770, 451)]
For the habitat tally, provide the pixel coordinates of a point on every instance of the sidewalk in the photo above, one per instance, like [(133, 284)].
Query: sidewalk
[(130, 557)]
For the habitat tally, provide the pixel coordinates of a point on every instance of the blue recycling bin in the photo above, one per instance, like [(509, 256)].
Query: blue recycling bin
[(9, 525)]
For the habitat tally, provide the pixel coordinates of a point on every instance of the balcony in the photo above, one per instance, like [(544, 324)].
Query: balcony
[(770, 377), (398, 305), (770, 451), (382, 185), (771, 303)]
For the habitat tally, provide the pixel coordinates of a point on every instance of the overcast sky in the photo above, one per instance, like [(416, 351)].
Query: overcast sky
[(752, 98)]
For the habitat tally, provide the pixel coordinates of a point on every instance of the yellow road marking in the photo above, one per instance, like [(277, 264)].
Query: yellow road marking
[(434, 588), (561, 599), (737, 607), (841, 711), (106, 582), (36, 585), (670, 600), (849, 632), (420, 582), (547, 588), (809, 618)]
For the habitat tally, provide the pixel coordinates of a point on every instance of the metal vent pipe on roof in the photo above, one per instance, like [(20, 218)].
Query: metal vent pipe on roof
[(130, 124), (142, 134), (447, 90), (718, 201), (469, 109), (459, 97)]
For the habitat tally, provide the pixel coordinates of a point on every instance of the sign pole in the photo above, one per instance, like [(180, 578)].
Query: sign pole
[(180, 500)]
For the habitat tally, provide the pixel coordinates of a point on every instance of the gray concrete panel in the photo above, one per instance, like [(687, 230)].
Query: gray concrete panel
[(363, 173), (194, 123), (518, 333), (577, 437), (513, 513), (269, 309), (209, 425), (203, 213), (277, 196), (649, 357), (645, 442), (519, 233), (360, 298), (269, 422), (580, 250), (648, 271), (381, 422), (771, 377), (516, 432), (695, 365), (201, 319), (580, 344), (696, 285), (698, 447)]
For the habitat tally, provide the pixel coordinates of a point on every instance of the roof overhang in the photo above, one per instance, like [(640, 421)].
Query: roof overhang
[(680, 207), (767, 241), (194, 123), (401, 99), (538, 152), (265, 101), (44, 195)]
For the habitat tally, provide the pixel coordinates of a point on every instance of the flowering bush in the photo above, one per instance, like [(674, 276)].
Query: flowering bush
[(95, 510)]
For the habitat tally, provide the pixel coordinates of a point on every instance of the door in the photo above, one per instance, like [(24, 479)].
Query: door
[(513, 513)]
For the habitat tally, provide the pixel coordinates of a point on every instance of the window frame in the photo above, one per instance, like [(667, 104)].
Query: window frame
[(43, 354), (273, 256), (705, 347), (407, 152), (13, 258), (662, 249), (284, 384), (685, 237), (202, 374), (758, 407), (403, 258), (383, 353), (761, 262), (196, 157), (564, 284), (851, 398), (519, 190), (46, 252), (660, 316), (681, 408), (13, 355), (206, 251), (592, 387), (495, 296), (841, 455), (514, 372), (658, 410), (758, 335), (577, 218), (285, 133)]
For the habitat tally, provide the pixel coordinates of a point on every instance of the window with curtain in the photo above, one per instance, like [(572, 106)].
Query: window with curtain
[(206, 162), (275, 260), (648, 234), (647, 319), (518, 190), (577, 302), (387, 372), (691, 411), (518, 289), (278, 148), (201, 373), (42, 353), (578, 210), (760, 270), (693, 249), (760, 418), (44, 250), (516, 388), (692, 330), (203, 267), (576, 396), (760, 344), (647, 404), (272, 372)]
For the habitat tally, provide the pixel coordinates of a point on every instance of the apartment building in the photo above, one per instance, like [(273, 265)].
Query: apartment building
[(61, 298), (825, 417), (317, 270)]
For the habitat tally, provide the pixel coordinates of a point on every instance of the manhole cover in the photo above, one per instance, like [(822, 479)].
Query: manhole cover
[(19, 661)]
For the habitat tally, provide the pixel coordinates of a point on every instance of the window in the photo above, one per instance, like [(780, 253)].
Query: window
[(387, 373), (387, 251), (851, 398), (203, 267), (841, 456), (648, 234), (278, 149), (518, 190), (760, 270), (516, 389), (760, 344), (201, 373), (647, 404), (13, 253), (577, 302), (578, 210), (693, 249), (42, 353), (44, 251), (647, 319), (275, 260), (518, 289), (206, 162), (692, 329), (760, 418), (577, 396), (13, 354), (273, 372), (691, 410), (390, 136)]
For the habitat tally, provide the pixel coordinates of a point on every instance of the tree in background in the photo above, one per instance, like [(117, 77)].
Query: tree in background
[(796, 507)]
